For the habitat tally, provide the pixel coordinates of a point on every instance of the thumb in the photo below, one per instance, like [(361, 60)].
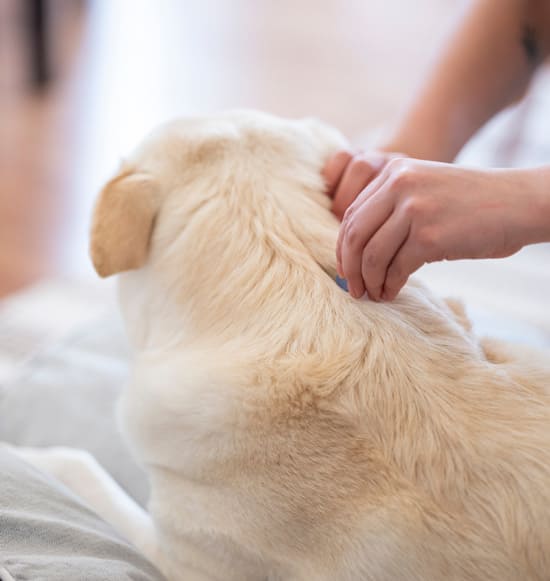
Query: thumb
[(334, 169)]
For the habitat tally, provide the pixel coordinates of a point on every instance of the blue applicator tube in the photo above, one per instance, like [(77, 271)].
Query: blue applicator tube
[(342, 283)]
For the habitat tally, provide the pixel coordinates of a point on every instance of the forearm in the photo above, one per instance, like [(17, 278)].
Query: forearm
[(536, 191), (486, 65)]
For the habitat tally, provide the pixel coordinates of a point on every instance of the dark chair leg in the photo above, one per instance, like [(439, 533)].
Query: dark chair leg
[(36, 21)]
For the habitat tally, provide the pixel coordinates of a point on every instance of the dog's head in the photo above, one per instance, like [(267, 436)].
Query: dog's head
[(185, 164)]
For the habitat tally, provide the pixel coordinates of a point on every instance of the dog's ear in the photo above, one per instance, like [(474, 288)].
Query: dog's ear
[(123, 222)]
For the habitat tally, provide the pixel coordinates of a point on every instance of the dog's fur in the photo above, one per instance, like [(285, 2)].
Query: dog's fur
[(290, 431)]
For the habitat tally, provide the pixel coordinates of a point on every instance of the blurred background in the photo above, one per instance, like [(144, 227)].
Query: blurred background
[(82, 81)]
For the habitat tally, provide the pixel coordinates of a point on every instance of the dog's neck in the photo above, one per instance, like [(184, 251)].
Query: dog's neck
[(257, 267), (238, 259), (242, 284)]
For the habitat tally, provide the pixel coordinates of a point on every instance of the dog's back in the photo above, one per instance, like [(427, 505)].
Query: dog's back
[(286, 426)]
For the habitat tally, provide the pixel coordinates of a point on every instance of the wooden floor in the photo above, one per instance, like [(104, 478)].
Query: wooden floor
[(122, 67)]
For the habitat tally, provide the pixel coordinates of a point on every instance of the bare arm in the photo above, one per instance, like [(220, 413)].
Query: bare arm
[(401, 213), (485, 66)]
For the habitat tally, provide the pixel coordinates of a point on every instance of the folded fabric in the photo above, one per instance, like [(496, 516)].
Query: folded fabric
[(66, 396), (46, 533)]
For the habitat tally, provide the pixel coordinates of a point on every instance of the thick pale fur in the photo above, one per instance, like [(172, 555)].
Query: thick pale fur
[(288, 429)]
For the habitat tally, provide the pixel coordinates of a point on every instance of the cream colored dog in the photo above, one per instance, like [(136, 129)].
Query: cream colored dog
[(289, 431)]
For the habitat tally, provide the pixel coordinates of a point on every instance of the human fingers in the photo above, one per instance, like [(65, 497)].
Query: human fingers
[(409, 258), (358, 230), (334, 169), (374, 186), (358, 174), (380, 250)]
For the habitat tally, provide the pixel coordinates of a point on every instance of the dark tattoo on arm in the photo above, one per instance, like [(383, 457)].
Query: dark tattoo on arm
[(530, 44)]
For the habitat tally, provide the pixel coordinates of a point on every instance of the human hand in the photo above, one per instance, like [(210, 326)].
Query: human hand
[(416, 212), (347, 175)]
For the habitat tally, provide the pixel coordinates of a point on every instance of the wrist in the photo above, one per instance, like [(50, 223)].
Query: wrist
[(527, 198), (420, 143), (539, 203)]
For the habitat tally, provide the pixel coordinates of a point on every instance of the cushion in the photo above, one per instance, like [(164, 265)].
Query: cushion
[(46, 533), (66, 395)]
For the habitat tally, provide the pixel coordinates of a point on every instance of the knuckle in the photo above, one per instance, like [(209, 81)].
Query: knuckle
[(396, 164), (404, 177), (428, 238), (373, 281), (404, 173), (353, 235), (347, 219), (348, 214), (370, 259), (412, 206)]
